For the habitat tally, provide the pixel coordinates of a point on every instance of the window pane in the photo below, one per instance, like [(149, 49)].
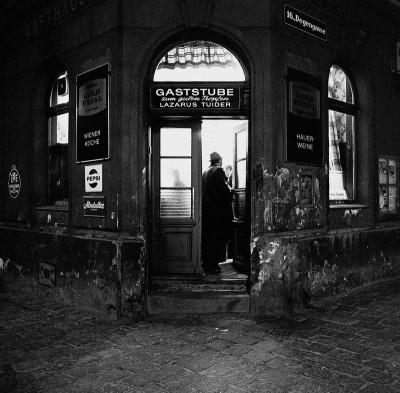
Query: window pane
[(392, 199), (176, 142), (176, 203), (341, 155), (60, 90), (339, 86), (382, 170), (241, 145), (392, 172), (199, 61), (241, 169), (176, 172), (58, 129)]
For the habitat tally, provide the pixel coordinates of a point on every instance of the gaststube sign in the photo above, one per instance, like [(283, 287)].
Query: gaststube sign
[(195, 97)]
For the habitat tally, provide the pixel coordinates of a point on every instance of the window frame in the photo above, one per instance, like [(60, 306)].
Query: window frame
[(53, 111), (351, 109)]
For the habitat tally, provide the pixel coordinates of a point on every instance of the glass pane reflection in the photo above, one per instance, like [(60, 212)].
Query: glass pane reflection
[(176, 172)]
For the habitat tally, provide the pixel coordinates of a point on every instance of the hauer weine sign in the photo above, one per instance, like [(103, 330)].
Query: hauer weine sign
[(304, 22), (195, 97), (304, 124), (92, 129)]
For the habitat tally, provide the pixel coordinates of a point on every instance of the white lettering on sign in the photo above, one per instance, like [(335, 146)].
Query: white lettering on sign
[(92, 138), (302, 139), (93, 205), (92, 97), (93, 178), (178, 92), (304, 100), (196, 97)]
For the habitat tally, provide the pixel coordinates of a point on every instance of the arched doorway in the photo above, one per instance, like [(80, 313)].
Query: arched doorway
[(199, 104)]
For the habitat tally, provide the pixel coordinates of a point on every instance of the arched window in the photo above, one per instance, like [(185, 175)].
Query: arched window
[(342, 111), (58, 178), (199, 61)]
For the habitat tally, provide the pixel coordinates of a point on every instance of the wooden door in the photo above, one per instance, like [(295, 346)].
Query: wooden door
[(176, 197), (241, 227)]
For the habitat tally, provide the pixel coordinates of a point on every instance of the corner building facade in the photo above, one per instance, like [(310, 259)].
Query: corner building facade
[(110, 111)]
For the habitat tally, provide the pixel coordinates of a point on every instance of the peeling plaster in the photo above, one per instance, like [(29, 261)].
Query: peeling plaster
[(279, 196)]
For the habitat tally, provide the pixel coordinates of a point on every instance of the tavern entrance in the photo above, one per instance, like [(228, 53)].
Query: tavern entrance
[(190, 120), (181, 152)]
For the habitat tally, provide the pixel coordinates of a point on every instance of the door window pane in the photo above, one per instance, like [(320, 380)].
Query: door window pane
[(176, 203), (176, 142), (176, 172)]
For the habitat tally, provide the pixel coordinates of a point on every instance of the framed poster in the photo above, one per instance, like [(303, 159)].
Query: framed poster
[(306, 190), (388, 168), (92, 115), (303, 125)]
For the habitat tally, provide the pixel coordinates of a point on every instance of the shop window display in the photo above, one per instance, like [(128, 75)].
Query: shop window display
[(342, 111)]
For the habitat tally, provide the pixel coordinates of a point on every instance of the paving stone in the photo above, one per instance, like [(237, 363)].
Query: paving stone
[(54, 348)]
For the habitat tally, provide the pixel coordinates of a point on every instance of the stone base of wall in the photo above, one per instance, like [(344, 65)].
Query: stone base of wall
[(295, 269), (102, 272)]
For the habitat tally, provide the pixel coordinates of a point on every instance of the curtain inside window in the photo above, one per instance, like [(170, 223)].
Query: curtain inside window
[(334, 152), (197, 53)]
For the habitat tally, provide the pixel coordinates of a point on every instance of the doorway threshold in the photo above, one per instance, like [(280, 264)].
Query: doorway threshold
[(225, 292)]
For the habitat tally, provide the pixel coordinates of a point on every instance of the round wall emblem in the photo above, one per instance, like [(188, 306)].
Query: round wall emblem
[(14, 182)]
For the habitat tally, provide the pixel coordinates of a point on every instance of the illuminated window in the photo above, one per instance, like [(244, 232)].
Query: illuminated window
[(342, 110), (58, 117), (199, 61)]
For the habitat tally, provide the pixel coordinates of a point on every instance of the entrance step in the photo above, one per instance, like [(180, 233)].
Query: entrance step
[(190, 302), (225, 292)]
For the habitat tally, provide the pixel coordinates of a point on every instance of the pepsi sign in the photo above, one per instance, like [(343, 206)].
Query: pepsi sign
[(94, 178)]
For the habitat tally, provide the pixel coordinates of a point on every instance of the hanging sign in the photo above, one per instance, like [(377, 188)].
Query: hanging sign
[(94, 178), (92, 122), (201, 97), (304, 22), (304, 125), (14, 182), (94, 206)]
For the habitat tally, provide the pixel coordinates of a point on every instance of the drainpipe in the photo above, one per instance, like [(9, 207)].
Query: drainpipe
[(118, 245)]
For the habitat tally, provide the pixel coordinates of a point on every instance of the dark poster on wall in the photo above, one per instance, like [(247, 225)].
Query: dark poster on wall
[(304, 125), (92, 119)]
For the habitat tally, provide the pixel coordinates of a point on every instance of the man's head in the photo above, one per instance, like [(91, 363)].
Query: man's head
[(215, 159), (228, 170)]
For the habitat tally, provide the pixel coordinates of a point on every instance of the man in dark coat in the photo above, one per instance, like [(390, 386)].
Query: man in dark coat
[(217, 215)]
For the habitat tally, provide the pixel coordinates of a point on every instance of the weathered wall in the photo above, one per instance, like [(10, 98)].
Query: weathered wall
[(102, 274), (297, 269)]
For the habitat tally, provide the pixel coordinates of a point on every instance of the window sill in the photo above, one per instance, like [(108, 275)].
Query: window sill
[(348, 206), (58, 207)]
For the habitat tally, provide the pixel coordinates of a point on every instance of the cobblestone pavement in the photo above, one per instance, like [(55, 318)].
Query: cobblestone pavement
[(349, 345)]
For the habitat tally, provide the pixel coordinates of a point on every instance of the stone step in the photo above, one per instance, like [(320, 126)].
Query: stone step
[(199, 284), (197, 302)]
